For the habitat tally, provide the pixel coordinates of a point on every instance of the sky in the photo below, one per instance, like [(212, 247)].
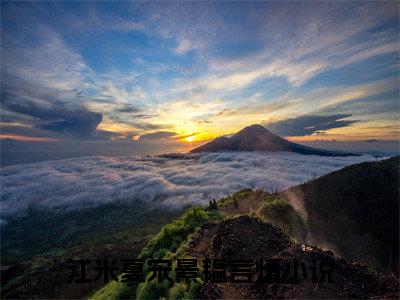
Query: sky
[(186, 72)]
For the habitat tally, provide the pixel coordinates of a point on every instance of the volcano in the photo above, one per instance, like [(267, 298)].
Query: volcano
[(258, 138)]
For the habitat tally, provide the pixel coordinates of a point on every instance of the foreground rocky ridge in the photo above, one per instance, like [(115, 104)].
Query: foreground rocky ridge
[(248, 238)]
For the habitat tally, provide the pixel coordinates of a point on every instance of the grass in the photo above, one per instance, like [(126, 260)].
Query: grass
[(168, 243), (244, 193), (274, 210), (280, 213)]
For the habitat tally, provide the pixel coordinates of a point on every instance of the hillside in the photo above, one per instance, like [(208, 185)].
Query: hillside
[(249, 225), (258, 138), (231, 236), (354, 211), (349, 280)]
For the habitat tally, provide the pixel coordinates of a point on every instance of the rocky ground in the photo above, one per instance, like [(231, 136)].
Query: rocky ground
[(247, 238)]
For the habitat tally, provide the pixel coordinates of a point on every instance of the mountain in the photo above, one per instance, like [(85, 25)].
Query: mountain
[(354, 212), (258, 138)]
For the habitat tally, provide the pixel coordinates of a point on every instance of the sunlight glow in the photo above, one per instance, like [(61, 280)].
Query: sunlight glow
[(190, 138)]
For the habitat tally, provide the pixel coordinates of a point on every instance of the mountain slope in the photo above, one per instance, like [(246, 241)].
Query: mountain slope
[(258, 138), (229, 240), (244, 238), (354, 211)]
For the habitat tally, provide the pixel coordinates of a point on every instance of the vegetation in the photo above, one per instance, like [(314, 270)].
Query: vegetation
[(49, 232), (280, 213), (235, 197), (243, 194), (172, 235), (41, 241), (269, 207), (168, 243)]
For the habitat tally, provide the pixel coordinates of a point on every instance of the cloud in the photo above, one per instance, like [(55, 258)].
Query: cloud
[(143, 116), (75, 122), (195, 52), (185, 46), (309, 124), (325, 37), (81, 124), (158, 135), (48, 87), (128, 109), (85, 182), (42, 88), (148, 126)]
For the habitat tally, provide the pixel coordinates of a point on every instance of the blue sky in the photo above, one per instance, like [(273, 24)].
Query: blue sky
[(187, 72)]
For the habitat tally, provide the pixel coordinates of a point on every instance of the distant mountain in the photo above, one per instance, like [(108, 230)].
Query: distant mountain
[(258, 138)]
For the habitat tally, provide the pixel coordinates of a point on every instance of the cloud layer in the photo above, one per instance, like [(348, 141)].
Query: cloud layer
[(194, 179)]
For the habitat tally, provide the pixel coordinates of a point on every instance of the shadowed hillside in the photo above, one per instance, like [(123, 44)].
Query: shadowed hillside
[(350, 280), (354, 211)]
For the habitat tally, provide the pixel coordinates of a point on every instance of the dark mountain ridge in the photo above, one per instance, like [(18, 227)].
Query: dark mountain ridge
[(354, 211), (258, 138)]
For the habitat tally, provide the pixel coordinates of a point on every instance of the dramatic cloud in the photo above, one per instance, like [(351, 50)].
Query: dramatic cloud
[(77, 122), (309, 124), (193, 179), (77, 125)]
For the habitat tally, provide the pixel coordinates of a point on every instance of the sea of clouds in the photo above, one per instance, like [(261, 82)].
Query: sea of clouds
[(192, 179)]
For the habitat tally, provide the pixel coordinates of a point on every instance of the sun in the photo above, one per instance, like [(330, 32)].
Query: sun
[(190, 138)]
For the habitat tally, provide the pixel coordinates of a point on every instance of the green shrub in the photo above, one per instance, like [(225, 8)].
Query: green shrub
[(178, 291), (281, 214), (234, 198), (172, 235), (114, 290), (166, 243), (194, 290), (153, 290)]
